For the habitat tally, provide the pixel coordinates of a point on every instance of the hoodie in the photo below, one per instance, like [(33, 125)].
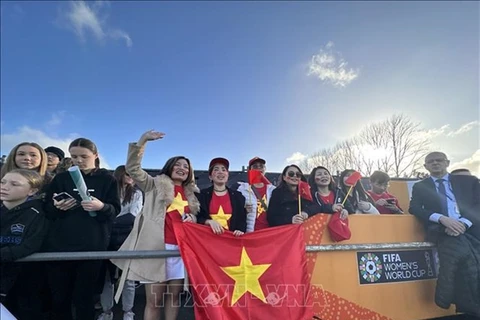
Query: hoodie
[(75, 229), (22, 232)]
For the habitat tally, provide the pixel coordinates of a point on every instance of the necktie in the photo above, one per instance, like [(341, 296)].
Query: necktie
[(442, 192)]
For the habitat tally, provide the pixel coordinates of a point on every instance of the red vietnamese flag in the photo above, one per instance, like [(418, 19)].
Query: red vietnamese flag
[(246, 277), (353, 179), (256, 176), (304, 190)]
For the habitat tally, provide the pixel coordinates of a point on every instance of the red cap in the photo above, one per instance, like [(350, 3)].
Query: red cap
[(219, 161), (338, 228), (256, 159)]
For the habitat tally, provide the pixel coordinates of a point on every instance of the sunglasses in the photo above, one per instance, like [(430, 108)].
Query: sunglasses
[(292, 174)]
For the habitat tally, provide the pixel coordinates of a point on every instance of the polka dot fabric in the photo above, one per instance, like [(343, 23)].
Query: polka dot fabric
[(327, 305), (333, 307), (314, 228)]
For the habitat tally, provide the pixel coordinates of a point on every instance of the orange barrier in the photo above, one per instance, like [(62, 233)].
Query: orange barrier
[(338, 291), (402, 189)]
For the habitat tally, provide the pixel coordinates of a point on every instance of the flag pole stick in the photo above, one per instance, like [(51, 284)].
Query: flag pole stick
[(348, 193), (299, 203)]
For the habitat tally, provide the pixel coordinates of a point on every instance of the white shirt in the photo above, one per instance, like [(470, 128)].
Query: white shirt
[(134, 206)]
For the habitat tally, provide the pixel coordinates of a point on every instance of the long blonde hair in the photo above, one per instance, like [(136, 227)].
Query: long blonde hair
[(10, 164)]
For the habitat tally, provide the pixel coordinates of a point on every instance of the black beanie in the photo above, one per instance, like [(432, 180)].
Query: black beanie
[(57, 151)]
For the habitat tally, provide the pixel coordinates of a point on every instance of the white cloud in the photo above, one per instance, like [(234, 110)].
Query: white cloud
[(56, 119), (434, 133), (296, 158), (330, 67), (82, 18), (464, 129), (447, 131), (27, 134), (472, 163)]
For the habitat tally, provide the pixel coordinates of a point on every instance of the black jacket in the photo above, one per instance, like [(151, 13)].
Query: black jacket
[(425, 201), (22, 232), (283, 206), (238, 221), (123, 225), (75, 229)]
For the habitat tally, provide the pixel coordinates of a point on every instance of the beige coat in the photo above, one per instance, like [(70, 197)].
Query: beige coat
[(148, 230)]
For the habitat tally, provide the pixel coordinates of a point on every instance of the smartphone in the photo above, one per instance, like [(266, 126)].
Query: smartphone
[(63, 196), (391, 201)]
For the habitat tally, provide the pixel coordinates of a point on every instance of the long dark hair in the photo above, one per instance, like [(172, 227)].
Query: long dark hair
[(168, 169), (87, 144), (362, 194), (125, 191)]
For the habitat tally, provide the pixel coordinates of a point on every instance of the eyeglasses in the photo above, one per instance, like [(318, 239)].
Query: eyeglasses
[(292, 174), (258, 166), (429, 161)]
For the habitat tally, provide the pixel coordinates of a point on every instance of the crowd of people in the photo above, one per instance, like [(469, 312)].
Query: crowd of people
[(42, 211)]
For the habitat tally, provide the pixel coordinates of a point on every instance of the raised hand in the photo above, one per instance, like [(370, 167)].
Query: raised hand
[(150, 135)]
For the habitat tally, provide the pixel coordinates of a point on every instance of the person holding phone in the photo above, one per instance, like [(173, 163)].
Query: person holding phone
[(385, 202), (74, 229)]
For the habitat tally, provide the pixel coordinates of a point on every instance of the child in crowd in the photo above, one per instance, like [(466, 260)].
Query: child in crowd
[(79, 225), (385, 202), (22, 230)]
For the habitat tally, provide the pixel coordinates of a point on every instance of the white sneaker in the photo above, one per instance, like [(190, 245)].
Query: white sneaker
[(128, 315), (106, 316)]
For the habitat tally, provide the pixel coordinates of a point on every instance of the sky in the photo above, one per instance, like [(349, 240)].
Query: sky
[(279, 80)]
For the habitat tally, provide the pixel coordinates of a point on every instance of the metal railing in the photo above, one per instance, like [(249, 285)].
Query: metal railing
[(156, 254)]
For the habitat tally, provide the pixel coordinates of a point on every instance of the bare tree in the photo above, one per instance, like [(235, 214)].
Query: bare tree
[(395, 146), (399, 137)]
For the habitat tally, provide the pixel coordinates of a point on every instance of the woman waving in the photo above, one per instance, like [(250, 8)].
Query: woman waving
[(169, 198)]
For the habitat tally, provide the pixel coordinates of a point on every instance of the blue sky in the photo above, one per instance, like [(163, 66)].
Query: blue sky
[(231, 78)]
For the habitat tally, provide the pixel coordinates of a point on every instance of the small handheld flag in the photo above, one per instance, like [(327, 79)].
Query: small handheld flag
[(352, 182), (256, 176)]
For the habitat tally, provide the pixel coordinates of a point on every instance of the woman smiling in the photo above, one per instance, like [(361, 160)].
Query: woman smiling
[(222, 208)]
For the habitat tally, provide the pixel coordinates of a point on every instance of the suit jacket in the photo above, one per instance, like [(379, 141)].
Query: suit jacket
[(425, 200), (238, 220)]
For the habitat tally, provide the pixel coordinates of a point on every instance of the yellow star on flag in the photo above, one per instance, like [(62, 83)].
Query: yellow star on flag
[(260, 208), (221, 217), (246, 277), (178, 204)]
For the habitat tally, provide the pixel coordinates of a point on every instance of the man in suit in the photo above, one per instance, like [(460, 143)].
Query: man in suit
[(449, 206), (444, 201)]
